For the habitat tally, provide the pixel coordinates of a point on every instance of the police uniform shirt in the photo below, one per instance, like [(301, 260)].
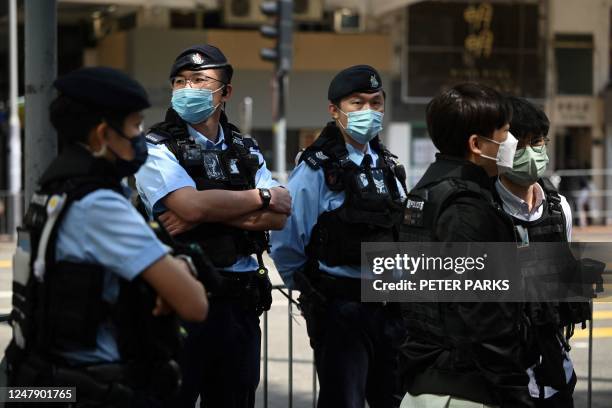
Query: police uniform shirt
[(162, 174), (310, 198), (104, 228), (517, 207)]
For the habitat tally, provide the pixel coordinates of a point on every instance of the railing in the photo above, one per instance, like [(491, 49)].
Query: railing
[(265, 360)]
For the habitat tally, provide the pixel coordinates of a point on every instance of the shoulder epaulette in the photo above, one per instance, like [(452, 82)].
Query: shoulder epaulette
[(156, 138), (314, 158)]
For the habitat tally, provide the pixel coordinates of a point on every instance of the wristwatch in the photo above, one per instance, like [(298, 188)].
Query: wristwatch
[(266, 196), (190, 265)]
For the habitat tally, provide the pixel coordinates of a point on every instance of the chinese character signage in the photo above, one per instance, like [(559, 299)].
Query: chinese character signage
[(497, 43)]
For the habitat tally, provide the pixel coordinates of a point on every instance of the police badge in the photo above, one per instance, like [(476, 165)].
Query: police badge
[(212, 166), (373, 81), (197, 59)]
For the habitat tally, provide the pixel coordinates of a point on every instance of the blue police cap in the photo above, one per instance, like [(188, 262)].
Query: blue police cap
[(358, 78), (200, 57), (104, 89)]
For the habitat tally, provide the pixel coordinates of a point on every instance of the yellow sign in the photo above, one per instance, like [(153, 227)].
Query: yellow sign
[(479, 43)]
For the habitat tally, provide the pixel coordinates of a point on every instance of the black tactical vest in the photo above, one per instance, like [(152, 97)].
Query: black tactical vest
[(231, 169), (547, 318), (551, 227), (372, 208), (59, 306), (444, 182)]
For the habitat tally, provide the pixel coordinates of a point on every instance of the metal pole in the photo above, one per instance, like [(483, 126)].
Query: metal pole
[(247, 116), (40, 72), (14, 124), (280, 126)]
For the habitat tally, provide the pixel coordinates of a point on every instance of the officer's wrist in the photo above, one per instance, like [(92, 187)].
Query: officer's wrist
[(189, 262), (266, 196)]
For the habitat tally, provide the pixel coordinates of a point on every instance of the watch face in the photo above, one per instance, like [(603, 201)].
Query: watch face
[(266, 194)]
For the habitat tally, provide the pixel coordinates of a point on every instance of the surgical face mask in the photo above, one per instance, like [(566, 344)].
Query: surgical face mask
[(194, 105), (529, 166), (505, 153), (363, 125), (127, 168)]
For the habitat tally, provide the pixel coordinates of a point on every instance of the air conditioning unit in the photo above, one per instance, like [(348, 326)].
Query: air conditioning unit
[(308, 10), (348, 21), (248, 12), (243, 12)]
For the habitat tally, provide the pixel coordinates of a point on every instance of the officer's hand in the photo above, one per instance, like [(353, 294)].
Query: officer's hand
[(174, 224), (161, 307), (281, 200)]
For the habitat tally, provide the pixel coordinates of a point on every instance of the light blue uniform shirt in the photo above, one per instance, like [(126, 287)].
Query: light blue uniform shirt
[(517, 207), (310, 198), (162, 174), (104, 228)]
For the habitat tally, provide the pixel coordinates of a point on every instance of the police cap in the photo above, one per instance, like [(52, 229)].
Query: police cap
[(358, 78), (200, 57), (104, 89)]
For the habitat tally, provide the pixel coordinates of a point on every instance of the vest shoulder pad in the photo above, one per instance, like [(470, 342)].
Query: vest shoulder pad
[(246, 141), (157, 138), (314, 158)]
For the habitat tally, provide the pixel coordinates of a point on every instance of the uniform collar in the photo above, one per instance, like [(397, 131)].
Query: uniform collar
[(517, 205), (204, 141), (357, 156)]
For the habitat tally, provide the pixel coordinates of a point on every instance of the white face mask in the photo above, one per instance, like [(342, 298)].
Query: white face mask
[(505, 153)]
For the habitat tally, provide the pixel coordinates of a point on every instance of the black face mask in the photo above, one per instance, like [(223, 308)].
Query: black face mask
[(127, 168)]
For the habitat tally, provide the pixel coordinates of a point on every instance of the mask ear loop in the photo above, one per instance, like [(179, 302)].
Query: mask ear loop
[(490, 140), (338, 120)]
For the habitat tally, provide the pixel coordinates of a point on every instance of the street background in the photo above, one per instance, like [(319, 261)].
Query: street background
[(556, 53)]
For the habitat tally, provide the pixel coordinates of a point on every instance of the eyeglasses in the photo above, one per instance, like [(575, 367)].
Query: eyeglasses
[(197, 81), (537, 143)]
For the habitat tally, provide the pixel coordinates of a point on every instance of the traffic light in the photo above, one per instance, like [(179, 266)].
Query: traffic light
[(282, 31)]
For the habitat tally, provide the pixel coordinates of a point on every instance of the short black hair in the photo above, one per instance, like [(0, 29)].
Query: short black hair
[(227, 73), (528, 120), (464, 110), (74, 120)]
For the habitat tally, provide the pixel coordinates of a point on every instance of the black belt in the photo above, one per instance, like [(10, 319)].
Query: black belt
[(337, 287), (236, 284)]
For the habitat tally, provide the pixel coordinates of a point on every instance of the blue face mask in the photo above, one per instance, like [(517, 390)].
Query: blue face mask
[(363, 125), (194, 105)]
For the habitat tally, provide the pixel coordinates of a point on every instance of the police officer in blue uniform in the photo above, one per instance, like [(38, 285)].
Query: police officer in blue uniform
[(347, 189), (209, 184), (93, 286)]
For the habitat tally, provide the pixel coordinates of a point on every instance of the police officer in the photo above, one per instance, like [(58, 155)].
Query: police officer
[(464, 354), (209, 184), (345, 191), (540, 214), (93, 285)]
